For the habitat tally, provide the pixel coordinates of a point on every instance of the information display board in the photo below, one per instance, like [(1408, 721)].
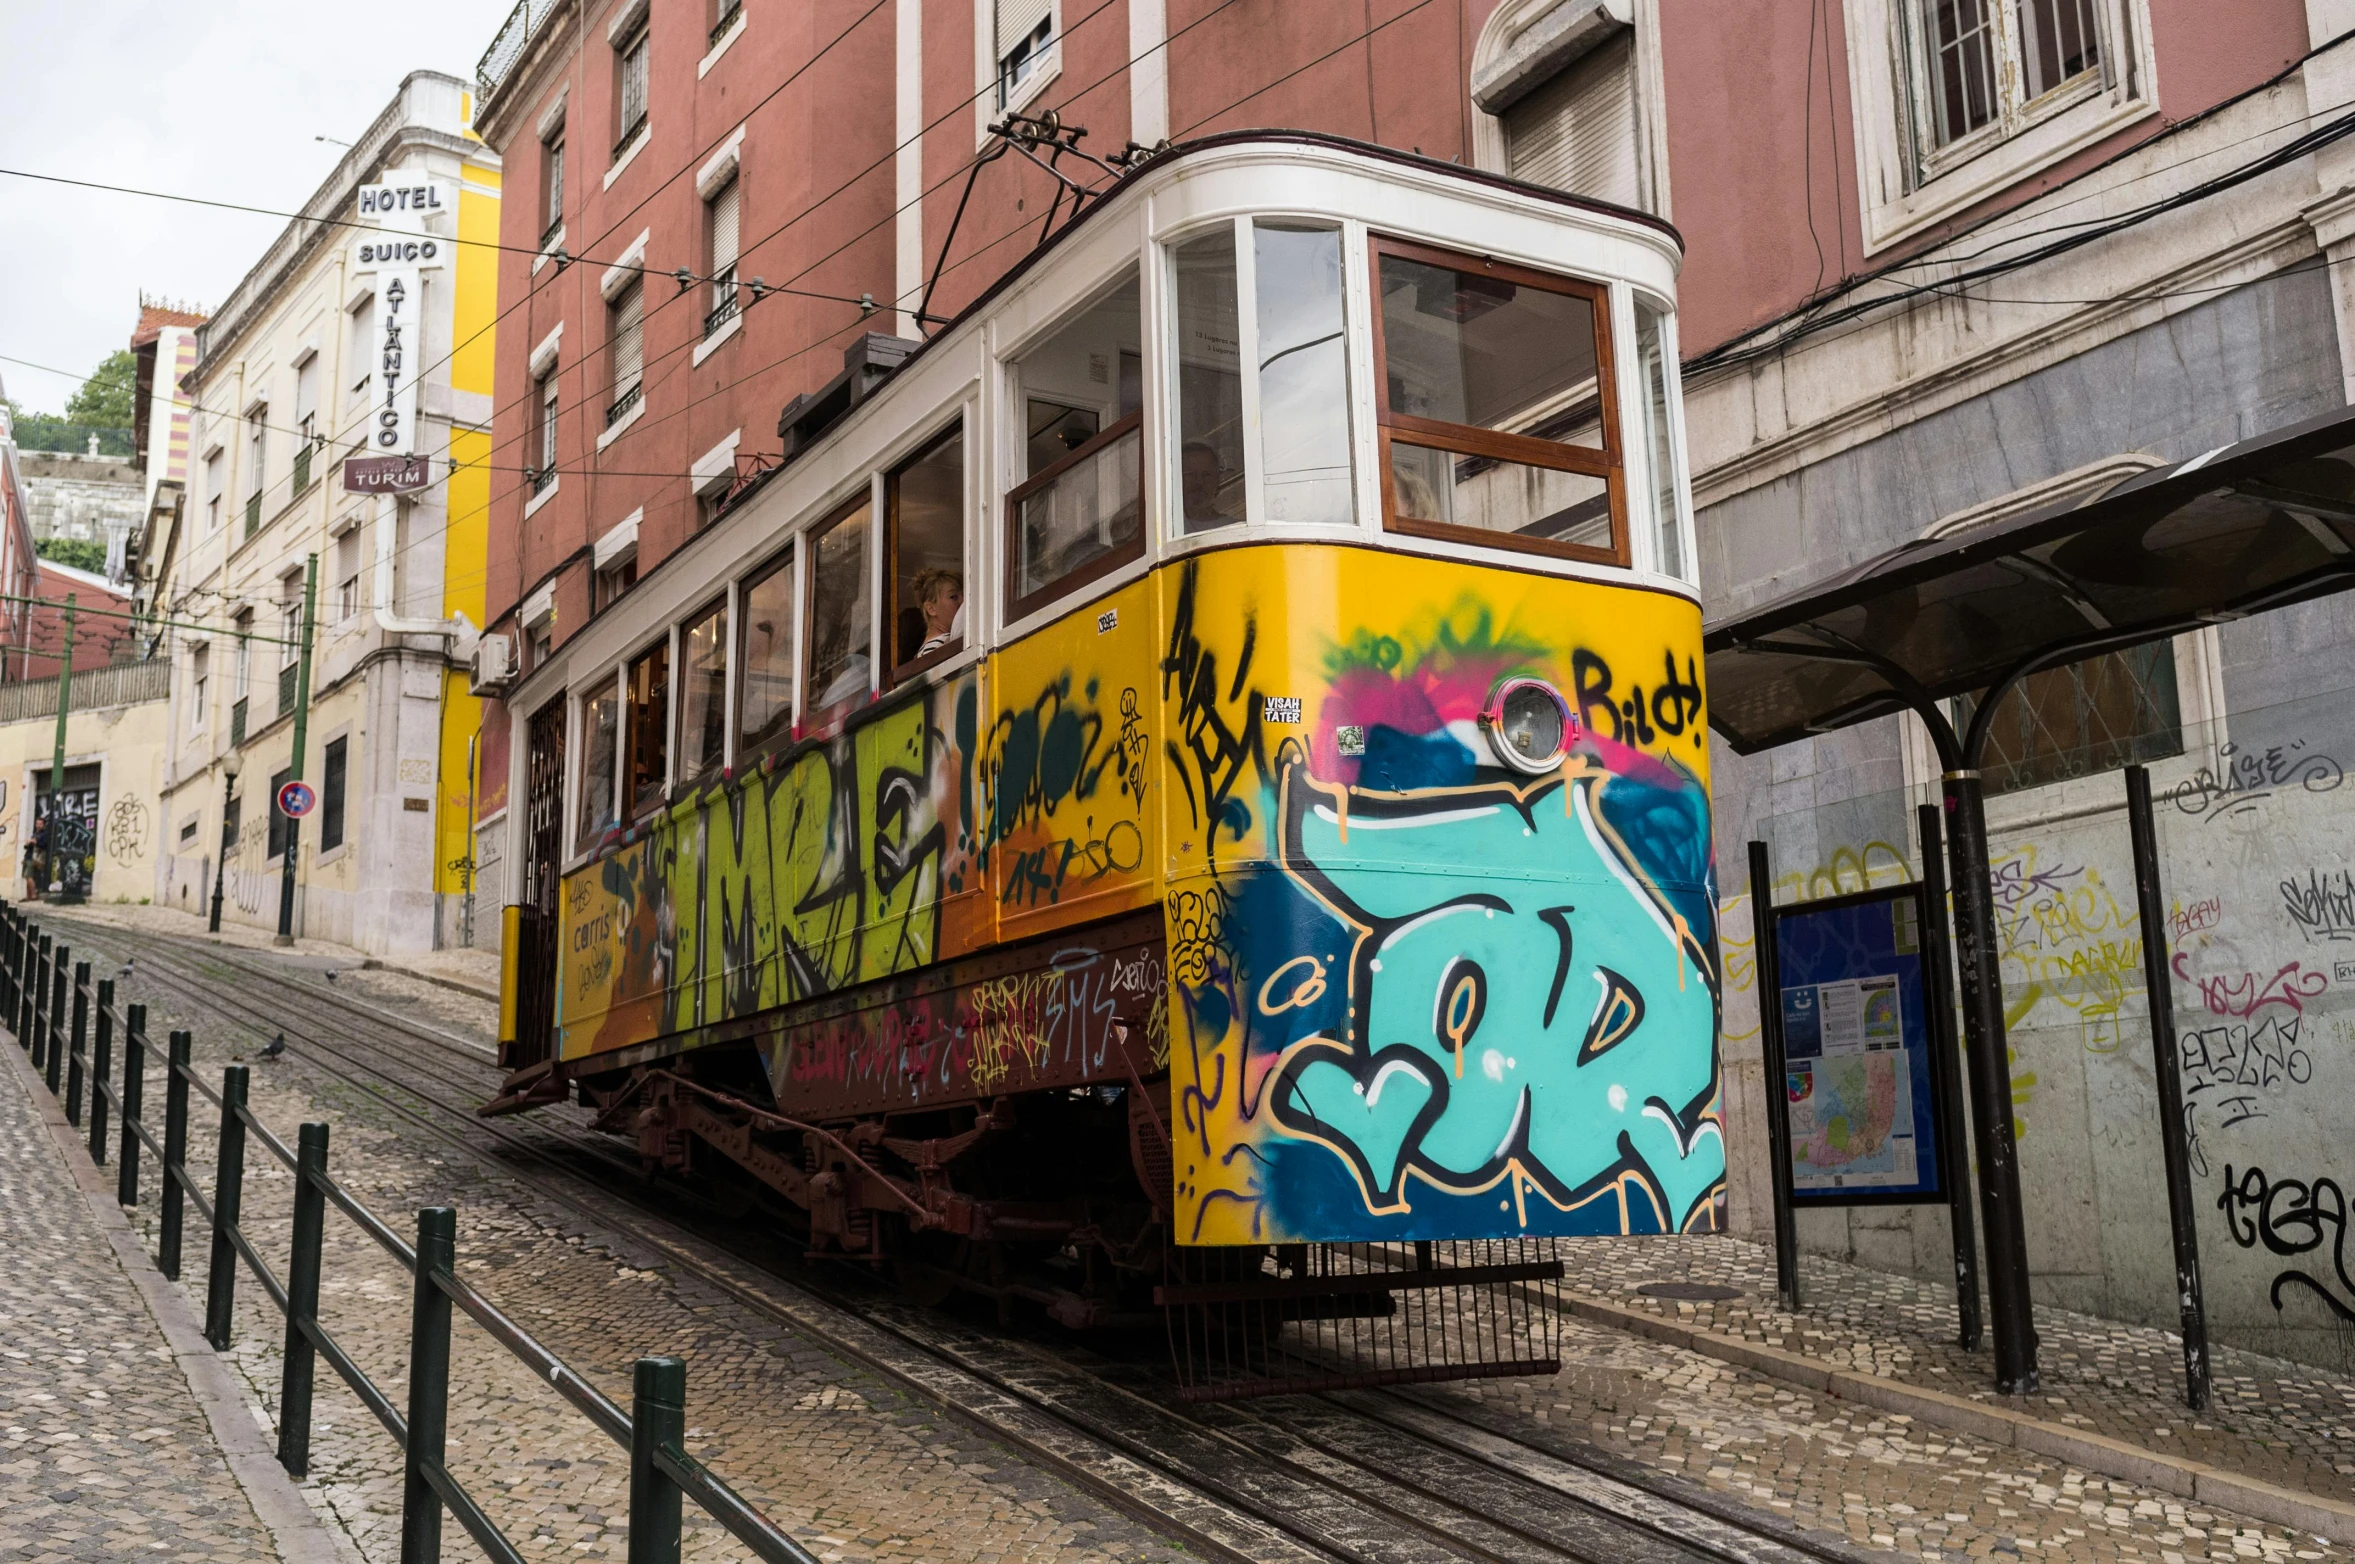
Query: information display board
[(1862, 1096)]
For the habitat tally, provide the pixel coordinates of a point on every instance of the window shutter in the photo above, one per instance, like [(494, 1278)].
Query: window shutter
[(629, 339), (306, 389), (1017, 20), (723, 229), (1577, 132)]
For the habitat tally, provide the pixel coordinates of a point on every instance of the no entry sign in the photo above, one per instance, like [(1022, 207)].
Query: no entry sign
[(297, 799)]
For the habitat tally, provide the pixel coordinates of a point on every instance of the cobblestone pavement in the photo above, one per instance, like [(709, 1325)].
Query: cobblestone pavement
[(847, 1462), (104, 1453), (2283, 1422), (865, 1472)]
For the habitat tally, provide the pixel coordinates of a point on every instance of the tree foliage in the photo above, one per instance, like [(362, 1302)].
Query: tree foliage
[(80, 553), (100, 406)]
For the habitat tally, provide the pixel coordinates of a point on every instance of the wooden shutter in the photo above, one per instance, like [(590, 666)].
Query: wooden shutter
[(1017, 20), (629, 339), (1577, 131), (723, 231)]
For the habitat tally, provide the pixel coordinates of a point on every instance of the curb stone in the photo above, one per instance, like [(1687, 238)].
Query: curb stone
[(296, 1531), (2259, 1500)]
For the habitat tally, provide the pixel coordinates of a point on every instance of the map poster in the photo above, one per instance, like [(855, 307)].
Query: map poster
[(1861, 1106)]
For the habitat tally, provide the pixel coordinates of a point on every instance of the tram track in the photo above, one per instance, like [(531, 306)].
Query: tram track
[(1392, 1477)]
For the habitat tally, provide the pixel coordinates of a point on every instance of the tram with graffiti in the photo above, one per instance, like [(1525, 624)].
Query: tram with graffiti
[(1203, 755)]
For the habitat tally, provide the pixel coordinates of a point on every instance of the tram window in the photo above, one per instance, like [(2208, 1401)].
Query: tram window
[(600, 729), (647, 771), (927, 553), (840, 625), (1651, 328), (1210, 382), (764, 692), (1079, 514), (1303, 373), (703, 692), (1497, 404)]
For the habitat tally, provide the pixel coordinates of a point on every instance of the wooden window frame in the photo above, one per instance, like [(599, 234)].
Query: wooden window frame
[(632, 809), (1097, 569), (1608, 463), (807, 543), (900, 673)]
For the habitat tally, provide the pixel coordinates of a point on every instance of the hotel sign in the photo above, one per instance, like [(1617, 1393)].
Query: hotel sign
[(398, 253)]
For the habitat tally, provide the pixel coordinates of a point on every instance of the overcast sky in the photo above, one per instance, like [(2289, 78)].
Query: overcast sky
[(220, 99)]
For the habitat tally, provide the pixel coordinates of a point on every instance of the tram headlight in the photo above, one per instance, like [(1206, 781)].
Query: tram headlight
[(1529, 725)]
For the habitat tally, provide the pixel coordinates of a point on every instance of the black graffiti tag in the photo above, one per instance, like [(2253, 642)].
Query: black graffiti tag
[(1215, 749), (2291, 1217)]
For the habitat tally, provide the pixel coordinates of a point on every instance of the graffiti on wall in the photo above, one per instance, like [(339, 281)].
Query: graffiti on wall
[(2237, 780), (1415, 993), (2292, 1217)]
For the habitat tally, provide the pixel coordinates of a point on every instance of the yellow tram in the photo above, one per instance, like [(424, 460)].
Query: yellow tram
[(1207, 751)]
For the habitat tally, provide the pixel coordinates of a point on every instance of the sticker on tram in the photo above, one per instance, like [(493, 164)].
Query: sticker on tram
[(1280, 708), (1107, 621)]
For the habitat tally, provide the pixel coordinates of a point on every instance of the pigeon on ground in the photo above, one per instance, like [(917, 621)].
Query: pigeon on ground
[(330, 974), (275, 1047)]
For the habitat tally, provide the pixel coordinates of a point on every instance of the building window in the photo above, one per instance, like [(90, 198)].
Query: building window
[(200, 665), (242, 681), (552, 185), (1025, 33), (841, 626), (1077, 514), (2119, 709), (600, 735), (306, 400), (1576, 131), (630, 71), (1499, 416), (646, 767), (703, 692), (1978, 62), (764, 691), (276, 847), (544, 439), (212, 493), (363, 342), (626, 331), (720, 227), (331, 793), (1297, 392), (611, 582), (257, 451), (347, 576), (539, 644), (926, 496)]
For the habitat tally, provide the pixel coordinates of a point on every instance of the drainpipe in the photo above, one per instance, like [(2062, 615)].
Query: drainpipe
[(457, 628)]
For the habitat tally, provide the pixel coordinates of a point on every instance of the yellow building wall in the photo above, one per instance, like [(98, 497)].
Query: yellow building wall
[(466, 548)]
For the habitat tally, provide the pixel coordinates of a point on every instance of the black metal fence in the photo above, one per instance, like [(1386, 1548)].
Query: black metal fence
[(72, 1029)]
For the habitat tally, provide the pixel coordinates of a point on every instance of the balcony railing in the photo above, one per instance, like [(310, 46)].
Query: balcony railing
[(286, 689), (490, 73), (541, 478), (637, 128), (728, 15), (302, 467), (623, 403), (726, 310), (253, 513), (237, 711)]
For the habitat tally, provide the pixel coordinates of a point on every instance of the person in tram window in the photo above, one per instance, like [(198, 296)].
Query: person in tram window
[(1203, 480), (940, 596)]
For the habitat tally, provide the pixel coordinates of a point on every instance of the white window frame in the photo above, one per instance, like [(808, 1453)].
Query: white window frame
[(1510, 20), (987, 110), (1903, 189)]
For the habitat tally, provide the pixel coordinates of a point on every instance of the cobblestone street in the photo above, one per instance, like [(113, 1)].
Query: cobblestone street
[(861, 1470)]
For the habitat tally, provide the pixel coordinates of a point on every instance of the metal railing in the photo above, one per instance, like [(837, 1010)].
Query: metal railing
[(729, 11), (514, 36), (624, 402), (119, 684), (71, 1028), (237, 711), (302, 467), (286, 678), (726, 310), (253, 513)]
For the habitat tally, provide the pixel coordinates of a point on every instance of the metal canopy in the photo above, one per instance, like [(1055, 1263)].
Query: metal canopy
[(2255, 525)]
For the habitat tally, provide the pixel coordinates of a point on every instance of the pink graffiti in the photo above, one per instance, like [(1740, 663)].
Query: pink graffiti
[(2197, 918), (2243, 994)]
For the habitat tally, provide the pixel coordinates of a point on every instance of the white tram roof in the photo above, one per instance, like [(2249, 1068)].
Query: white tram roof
[(1302, 174)]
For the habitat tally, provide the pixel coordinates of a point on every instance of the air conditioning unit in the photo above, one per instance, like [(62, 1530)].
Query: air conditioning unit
[(494, 665)]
